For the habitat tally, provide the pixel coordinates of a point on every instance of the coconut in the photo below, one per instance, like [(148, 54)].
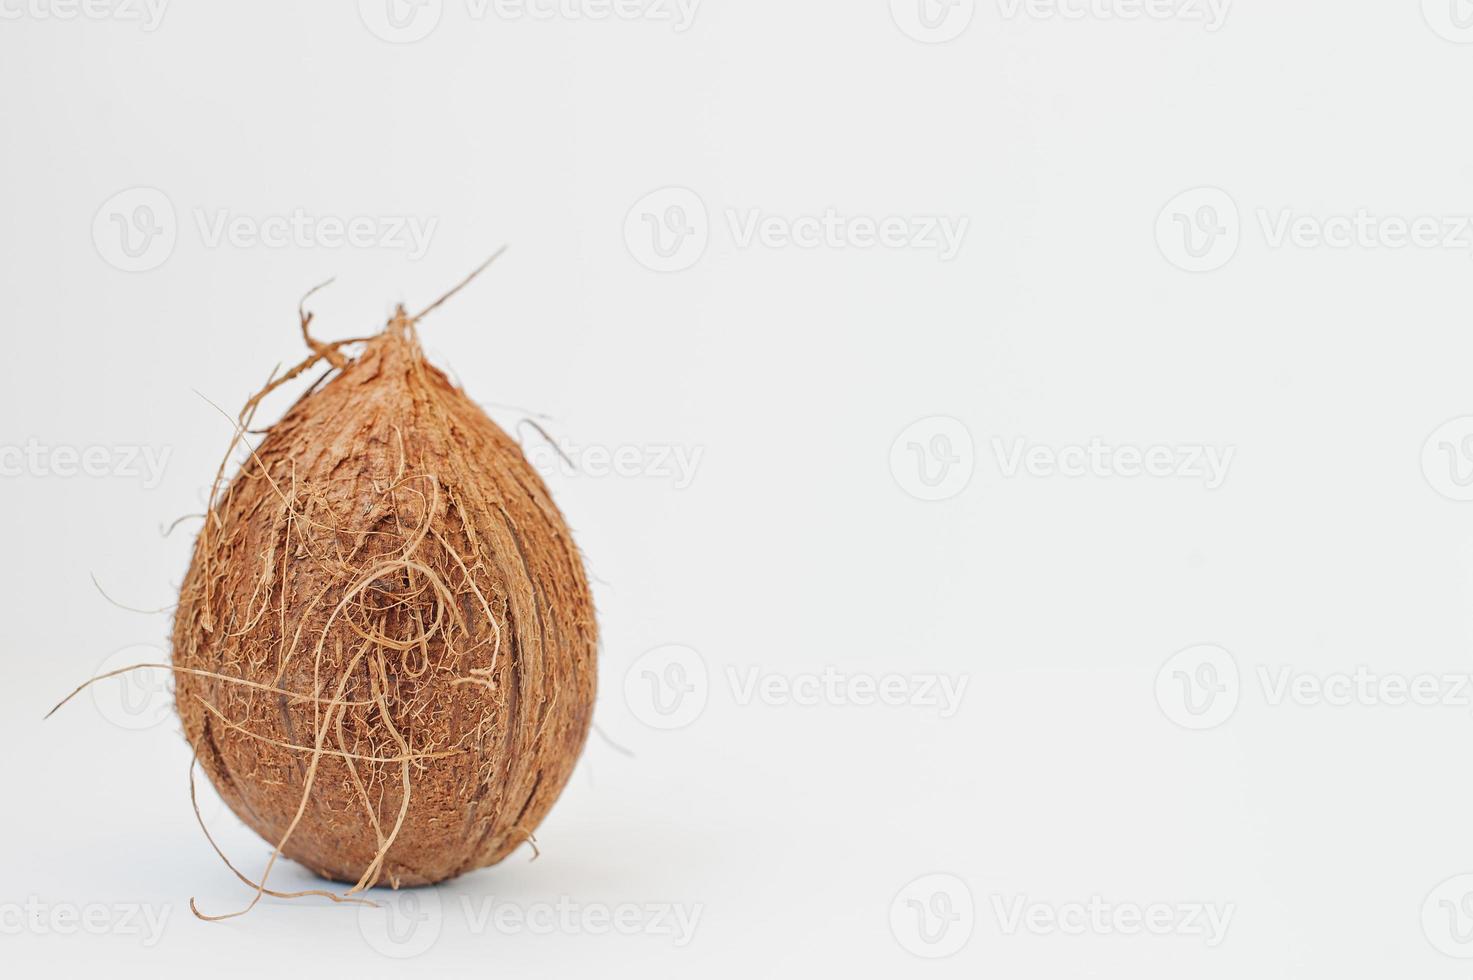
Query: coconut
[(384, 648)]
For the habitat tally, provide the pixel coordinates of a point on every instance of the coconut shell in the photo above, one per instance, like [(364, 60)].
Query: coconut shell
[(385, 644)]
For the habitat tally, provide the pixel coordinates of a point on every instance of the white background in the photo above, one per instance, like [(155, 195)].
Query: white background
[(1075, 145)]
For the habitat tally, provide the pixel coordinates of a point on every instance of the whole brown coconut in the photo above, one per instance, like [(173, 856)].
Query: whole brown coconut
[(385, 645)]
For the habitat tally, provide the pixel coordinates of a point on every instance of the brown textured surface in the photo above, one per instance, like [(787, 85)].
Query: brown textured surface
[(389, 558)]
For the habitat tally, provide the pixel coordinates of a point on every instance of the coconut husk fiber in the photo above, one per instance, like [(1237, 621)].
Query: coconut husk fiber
[(384, 648)]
